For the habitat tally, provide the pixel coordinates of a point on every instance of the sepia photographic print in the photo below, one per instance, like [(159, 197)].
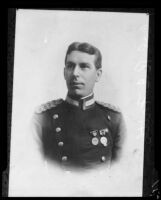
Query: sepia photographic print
[(78, 104)]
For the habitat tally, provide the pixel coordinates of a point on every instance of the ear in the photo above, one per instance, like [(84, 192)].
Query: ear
[(64, 73), (98, 74)]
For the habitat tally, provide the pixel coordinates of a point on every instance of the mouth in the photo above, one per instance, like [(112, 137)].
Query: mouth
[(76, 84)]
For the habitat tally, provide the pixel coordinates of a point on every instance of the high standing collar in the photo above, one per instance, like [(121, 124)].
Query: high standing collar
[(84, 103)]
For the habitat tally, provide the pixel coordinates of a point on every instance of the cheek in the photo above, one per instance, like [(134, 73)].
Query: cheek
[(67, 75), (91, 79)]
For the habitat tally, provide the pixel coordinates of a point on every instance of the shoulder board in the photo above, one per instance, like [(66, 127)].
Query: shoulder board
[(48, 105), (109, 106)]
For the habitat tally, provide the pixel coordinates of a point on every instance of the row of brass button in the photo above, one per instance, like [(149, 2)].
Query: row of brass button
[(58, 129)]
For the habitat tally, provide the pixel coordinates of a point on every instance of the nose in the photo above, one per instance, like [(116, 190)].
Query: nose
[(76, 70)]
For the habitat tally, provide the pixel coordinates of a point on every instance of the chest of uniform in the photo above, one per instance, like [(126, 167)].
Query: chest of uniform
[(82, 132)]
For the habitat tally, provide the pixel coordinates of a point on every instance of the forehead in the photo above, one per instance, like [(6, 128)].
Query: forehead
[(80, 57)]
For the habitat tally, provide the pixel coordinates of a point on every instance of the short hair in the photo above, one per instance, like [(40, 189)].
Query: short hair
[(86, 48)]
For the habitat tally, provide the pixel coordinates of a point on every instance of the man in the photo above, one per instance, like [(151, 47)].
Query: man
[(80, 132)]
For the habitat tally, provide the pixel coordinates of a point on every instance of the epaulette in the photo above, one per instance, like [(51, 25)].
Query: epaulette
[(48, 105), (109, 106)]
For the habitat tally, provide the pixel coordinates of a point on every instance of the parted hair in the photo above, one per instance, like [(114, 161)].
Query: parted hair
[(86, 48)]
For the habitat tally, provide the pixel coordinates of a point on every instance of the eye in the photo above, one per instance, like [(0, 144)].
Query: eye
[(70, 65), (84, 65)]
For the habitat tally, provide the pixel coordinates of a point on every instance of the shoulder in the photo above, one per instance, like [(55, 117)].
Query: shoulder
[(48, 105), (109, 106)]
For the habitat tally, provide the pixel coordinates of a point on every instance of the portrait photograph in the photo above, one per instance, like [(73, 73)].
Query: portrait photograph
[(78, 103)]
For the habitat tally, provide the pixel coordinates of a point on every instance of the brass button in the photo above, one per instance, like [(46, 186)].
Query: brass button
[(64, 158), (103, 158), (55, 116), (109, 118), (58, 129), (60, 144)]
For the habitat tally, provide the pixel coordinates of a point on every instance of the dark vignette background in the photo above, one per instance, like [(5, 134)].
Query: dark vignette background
[(10, 62), (151, 180)]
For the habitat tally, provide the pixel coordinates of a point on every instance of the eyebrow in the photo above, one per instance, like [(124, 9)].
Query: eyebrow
[(69, 62), (85, 63), (79, 63)]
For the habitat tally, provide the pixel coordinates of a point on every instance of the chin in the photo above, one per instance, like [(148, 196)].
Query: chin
[(77, 94)]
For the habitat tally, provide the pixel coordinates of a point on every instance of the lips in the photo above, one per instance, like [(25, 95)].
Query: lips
[(76, 84)]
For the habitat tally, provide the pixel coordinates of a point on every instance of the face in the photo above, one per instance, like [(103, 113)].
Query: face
[(81, 74)]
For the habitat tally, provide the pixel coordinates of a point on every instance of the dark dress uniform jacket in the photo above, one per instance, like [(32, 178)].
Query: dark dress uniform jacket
[(79, 134)]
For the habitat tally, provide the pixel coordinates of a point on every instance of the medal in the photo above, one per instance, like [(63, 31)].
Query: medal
[(93, 133), (95, 141), (103, 131), (104, 141)]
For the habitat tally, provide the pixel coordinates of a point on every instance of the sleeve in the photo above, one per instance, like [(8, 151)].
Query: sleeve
[(119, 139), (36, 127), (35, 161)]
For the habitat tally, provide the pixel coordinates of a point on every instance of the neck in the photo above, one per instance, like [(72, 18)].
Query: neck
[(78, 98)]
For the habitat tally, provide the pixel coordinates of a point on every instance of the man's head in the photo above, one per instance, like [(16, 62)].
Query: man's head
[(82, 69), (86, 48)]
